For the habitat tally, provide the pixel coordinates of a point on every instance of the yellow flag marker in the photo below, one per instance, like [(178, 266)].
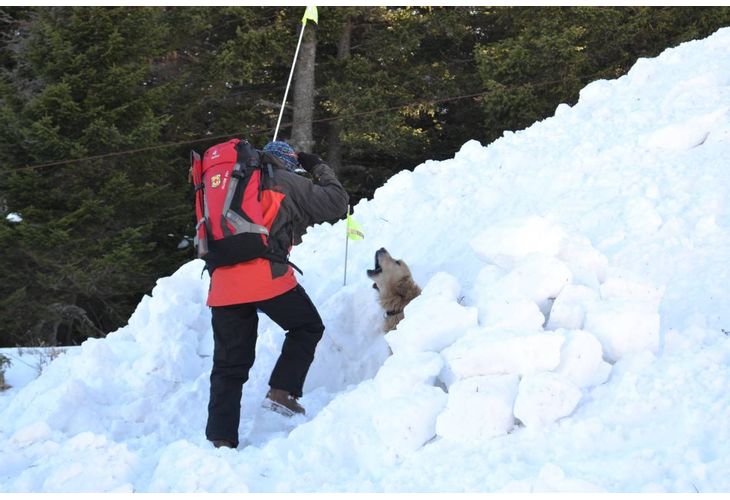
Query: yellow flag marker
[(354, 231), (311, 14)]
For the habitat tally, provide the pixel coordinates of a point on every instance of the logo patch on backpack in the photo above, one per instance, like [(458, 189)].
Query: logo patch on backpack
[(215, 181)]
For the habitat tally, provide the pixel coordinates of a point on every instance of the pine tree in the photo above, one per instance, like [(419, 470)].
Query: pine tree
[(95, 234)]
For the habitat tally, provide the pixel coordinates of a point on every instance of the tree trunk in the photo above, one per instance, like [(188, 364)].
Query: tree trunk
[(301, 137), (334, 154)]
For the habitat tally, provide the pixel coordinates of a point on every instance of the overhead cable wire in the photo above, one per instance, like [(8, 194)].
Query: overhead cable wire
[(269, 129)]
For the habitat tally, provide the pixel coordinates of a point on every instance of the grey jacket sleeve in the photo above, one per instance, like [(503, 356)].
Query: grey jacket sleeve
[(312, 202), (328, 200)]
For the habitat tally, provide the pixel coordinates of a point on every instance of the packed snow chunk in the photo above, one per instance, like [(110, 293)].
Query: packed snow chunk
[(490, 351), (205, 470), (488, 277), (511, 240), (622, 285), (543, 398), (596, 92), (511, 312), (472, 151), (581, 359), (498, 310), (569, 308), (501, 302), (478, 408), (687, 133), (434, 320), (13, 217), (442, 285), (31, 433), (538, 277), (587, 265), (623, 327), (405, 423), (552, 479), (87, 463), (403, 371)]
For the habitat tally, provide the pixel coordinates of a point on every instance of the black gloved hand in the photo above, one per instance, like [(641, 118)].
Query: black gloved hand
[(308, 161)]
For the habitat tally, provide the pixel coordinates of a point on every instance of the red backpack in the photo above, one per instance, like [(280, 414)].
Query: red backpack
[(228, 184)]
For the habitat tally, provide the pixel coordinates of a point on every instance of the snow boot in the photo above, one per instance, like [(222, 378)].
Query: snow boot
[(282, 402)]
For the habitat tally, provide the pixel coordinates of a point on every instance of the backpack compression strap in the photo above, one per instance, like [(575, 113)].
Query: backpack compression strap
[(240, 225)]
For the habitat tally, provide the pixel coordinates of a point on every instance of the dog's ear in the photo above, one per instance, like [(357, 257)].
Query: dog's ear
[(404, 286)]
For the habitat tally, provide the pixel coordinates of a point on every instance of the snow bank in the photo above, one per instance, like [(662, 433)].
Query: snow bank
[(571, 333)]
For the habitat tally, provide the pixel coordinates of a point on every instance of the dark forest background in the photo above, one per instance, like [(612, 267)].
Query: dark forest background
[(128, 91)]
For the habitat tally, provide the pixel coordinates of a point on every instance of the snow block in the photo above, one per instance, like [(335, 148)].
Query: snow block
[(499, 352), (514, 313), (622, 286), (442, 285), (497, 310), (623, 327), (538, 277), (488, 277), (587, 264), (407, 422), (569, 308), (478, 408), (423, 328), (581, 359), (543, 398), (403, 371)]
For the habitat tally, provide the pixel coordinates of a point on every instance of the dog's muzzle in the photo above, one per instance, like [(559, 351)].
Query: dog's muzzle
[(377, 269)]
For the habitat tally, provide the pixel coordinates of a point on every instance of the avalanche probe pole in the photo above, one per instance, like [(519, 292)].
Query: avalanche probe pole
[(310, 13), (347, 241)]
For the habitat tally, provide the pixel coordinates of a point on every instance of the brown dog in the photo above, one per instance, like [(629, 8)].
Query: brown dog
[(395, 287)]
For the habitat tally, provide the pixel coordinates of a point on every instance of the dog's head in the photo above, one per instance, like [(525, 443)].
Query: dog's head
[(388, 271)]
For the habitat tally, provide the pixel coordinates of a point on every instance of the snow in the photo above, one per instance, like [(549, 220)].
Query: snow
[(423, 328), (572, 334), (478, 408), (544, 397)]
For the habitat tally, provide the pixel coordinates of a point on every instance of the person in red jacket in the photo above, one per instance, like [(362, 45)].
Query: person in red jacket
[(291, 203)]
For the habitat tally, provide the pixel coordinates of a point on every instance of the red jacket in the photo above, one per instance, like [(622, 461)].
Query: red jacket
[(291, 204)]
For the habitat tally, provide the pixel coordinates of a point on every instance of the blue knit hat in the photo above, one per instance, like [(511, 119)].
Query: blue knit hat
[(284, 152)]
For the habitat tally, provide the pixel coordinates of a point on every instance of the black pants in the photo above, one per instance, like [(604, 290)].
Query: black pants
[(234, 335)]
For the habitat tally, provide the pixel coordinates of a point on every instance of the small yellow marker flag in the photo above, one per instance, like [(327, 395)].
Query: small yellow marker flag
[(311, 14), (354, 231)]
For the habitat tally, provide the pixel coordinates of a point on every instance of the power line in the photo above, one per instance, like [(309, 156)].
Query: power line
[(243, 133), (269, 129)]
